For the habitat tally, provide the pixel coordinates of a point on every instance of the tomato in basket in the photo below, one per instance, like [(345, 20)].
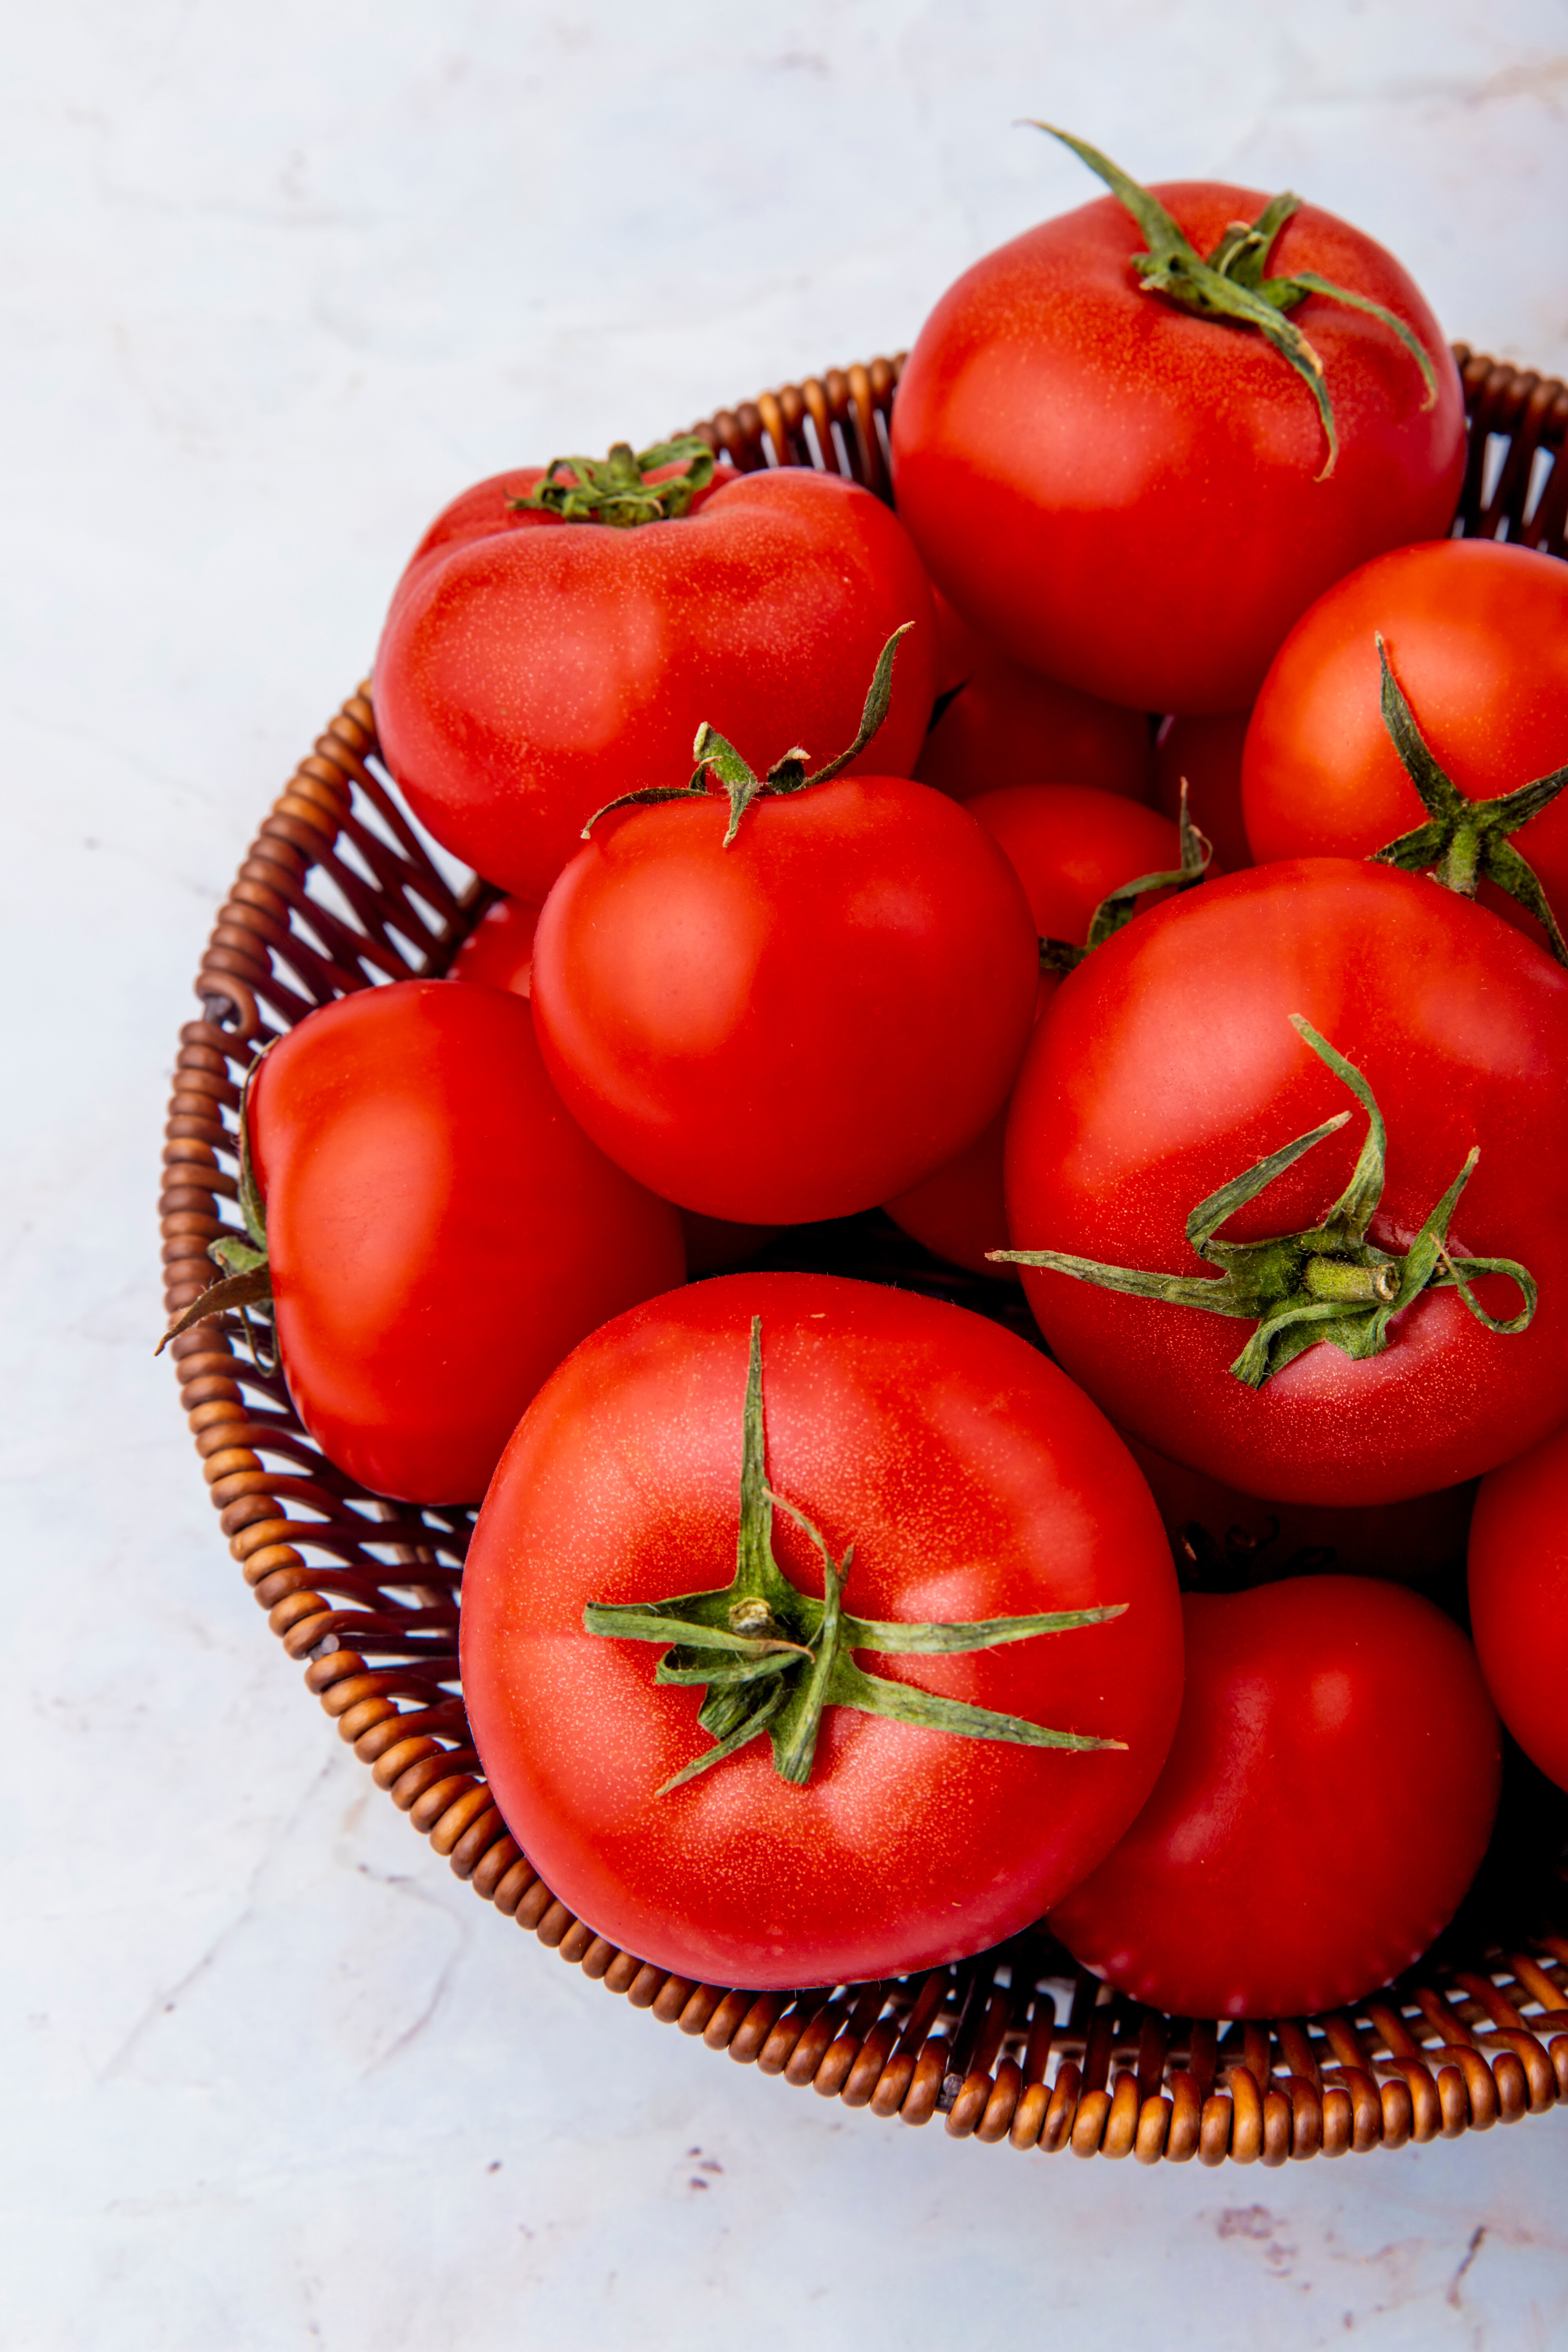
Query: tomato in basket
[(815, 1631), (789, 999), (1519, 1599), (540, 658), (1419, 712), (439, 1232), (1284, 1165), (499, 950), (1134, 444), (1077, 852), (1327, 1800), (997, 723)]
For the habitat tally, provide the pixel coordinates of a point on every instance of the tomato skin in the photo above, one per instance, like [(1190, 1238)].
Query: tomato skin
[(1071, 846), (440, 1233), (499, 950), (800, 1024), (974, 1481), (1168, 1067), (532, 672), (1125, 496), (1477, 639), (1519, 1599), (1207, 752), (1312, 1707), (1006, 725)]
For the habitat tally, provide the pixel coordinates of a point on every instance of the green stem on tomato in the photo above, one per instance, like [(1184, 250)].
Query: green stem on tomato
[(614, 489), (718, 758), (1462, 839), (772, 1658), (1231, 285), (1329, 1283)]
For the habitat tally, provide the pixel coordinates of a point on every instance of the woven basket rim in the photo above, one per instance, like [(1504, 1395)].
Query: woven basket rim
[(339, 891)]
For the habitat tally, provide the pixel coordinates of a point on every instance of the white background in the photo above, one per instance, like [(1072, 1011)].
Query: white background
[(276, 282)]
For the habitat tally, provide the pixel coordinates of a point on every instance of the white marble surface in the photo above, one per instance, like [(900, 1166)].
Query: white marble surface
[(276, 282)]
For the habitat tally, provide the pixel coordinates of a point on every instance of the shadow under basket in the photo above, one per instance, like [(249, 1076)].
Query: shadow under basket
[(338, 892)]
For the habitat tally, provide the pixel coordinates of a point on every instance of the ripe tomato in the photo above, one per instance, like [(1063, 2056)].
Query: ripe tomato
[(499, 950), (1071, 846), (1477, 637), (799, 1024), (1169, 1066), (1206, 753), (1129, 496), (1223, 1541), (1519, 1599), (973, 1483), (1004, 725), (532, 669), (1312, 1707), (439, 1232)]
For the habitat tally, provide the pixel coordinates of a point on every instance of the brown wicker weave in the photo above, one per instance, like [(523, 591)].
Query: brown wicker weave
[(338, 892)]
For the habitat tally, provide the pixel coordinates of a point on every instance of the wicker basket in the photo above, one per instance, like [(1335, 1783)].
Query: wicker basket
[(338, 892)]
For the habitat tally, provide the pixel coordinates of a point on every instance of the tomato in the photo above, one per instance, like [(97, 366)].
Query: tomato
[(439, 1232), (1131, 497), (1519, 1599), (1170, 1065), (531, 671), (1001, 724), (1477, 637), (1206, 754), (1224, 1540), (1071, 846), (1327, 1800), (499, 950), (973, 1483), (799, 1024)]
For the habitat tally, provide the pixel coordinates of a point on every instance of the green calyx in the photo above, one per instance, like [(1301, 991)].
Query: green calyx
[(614, 489), (716, 758), (1463, 839), (1328, 1283), (773, 1659), (1116, 911), (1231, 285), (245, 1277)]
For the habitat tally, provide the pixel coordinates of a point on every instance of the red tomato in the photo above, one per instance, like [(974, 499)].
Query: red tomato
[(1128, 497), (439, 1232), (499, 950), (797, 1025), (532, 670), (1327, 1798), (1004, 725), (973, 1483), (1071, 847), (1519, 1599), (1207, 752), (1478, 640), (1241, 1541), (1169, 1066)]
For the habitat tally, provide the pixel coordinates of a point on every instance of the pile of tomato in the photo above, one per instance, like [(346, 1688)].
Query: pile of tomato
[(1133, 868)]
